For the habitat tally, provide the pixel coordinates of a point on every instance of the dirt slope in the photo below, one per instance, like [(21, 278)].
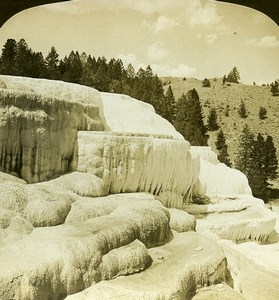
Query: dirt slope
[(219, 96)]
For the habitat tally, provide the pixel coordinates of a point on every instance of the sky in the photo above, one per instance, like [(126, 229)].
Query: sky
[(183, 38)]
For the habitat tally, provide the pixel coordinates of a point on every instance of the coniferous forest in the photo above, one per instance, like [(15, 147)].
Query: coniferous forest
[(106, 76), (18, 59)]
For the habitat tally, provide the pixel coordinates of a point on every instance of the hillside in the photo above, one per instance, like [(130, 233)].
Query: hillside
[(218, 96)]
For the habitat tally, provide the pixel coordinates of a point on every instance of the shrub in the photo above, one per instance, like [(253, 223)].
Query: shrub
[(206, 83)]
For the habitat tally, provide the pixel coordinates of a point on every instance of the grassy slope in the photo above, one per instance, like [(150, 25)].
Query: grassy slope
[(219, 96)]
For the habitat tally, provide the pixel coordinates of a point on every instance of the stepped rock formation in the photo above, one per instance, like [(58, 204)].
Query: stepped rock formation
[(37, 132), (76, 235), (130, 163)]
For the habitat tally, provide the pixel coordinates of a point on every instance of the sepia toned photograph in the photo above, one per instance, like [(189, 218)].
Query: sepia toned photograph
[(139, 149)]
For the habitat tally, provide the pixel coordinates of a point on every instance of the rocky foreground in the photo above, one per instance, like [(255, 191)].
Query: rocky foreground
[(108, 208)]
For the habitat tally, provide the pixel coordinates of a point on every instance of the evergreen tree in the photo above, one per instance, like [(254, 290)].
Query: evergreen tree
[(275, 88), (242, 111), (262, 113), (73, 68), (270, 159), (227, 110), (206, 83), (256, 176), (233, 76), (189, 120), (221, 146), (169, 107), (157, 96), (142, 89), (224, 79), (23, 62), (129, 80), (212, 123), (8, 57), (87, 76), (244, 161), (52, 60), (258, 161), (38, 68)]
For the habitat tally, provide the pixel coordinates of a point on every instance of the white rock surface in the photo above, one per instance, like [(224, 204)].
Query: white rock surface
[(219, 291), (52, 262), (178, 269), (236, 218), (181, 221), (126, 114), (83, 184), (38, 129), (249, 278), (216, 178), (162, 167)]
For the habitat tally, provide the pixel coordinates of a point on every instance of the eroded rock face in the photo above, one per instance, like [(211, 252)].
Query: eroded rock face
[(38, 133), (126, 163), (239, 217)]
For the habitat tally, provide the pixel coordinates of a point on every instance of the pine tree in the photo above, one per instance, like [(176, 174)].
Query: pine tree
[(262, 113), (38, 68), (224, 79), (189, 120), (23, 62), (227, 111), (129, 80), (233, 76), (52, 60), (73, 68), (157, 95), (244, 161), (275, 88), (168, 107), (271, 162), (212, 123), (222, 148), (258, 161), (206, 82), (256, 177), (8, 57), (242, 111), (87, 75), (142, 88)]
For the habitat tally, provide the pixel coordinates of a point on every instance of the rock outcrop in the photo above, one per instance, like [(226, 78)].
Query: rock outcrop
[(236, 218), (38, 133), (188, 262), (127, 163)]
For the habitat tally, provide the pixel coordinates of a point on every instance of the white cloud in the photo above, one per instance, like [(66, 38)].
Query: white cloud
[(211, 38), (162, 23), (132, 59), (181, 70), (203, 13), (269, 41), (156, 52)]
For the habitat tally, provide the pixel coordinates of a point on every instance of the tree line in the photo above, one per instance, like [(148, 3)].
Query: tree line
[(18, 59)]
